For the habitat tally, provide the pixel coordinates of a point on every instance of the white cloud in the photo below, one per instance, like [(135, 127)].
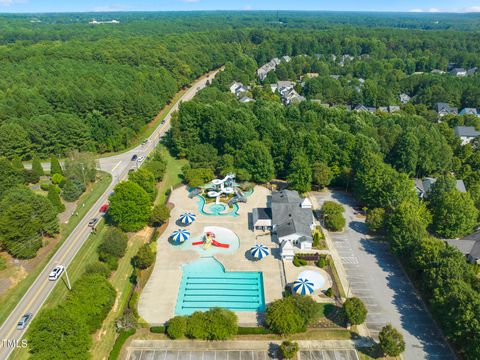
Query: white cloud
[(111, 7), (11, 2), (469, 9)]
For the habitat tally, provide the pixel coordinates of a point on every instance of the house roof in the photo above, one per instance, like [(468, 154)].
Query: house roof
[(262, 213), (286, 196), (465, 246), (458, 70), (293, 226), (425, 185), (467, 131), (469, 111)]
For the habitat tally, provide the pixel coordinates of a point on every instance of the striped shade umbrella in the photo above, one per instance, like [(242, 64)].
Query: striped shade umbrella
[(303, 286), (180, 235), (259, 251), (187, 218)]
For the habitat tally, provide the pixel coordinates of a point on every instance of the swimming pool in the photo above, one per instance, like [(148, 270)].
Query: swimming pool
[(205, 284), (214, 209)]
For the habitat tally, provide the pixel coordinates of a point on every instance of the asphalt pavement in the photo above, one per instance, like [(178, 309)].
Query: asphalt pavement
[(376, 277), (118, 166)]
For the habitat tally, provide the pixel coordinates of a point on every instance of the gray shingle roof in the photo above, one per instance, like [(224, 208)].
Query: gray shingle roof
[(262, 213), (464, 246), (286, 196), (293, 226), (468, 131)]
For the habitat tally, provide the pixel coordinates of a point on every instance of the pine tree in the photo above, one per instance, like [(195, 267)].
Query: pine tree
[(17, 163), (54, 197), (55, 167), (37, 168)]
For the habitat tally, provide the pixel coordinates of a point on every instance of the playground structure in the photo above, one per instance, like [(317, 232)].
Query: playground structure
[(209, 240)]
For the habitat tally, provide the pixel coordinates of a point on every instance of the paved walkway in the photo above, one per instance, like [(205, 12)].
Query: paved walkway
[(375, 276)]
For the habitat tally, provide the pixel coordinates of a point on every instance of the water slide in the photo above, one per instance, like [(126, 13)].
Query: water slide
[(223, 189)]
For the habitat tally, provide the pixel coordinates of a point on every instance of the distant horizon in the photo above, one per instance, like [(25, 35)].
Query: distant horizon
[(369, 6), (239, 11)]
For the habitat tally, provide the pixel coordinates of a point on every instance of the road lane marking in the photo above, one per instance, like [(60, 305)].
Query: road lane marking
[(116, 166)]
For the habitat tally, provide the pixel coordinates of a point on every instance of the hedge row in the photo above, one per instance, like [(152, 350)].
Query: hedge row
[(121, 339)]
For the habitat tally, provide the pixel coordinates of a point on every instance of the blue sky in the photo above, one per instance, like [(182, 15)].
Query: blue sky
[(164, 5)]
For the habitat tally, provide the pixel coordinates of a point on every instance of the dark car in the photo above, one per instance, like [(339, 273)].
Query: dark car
[(22, 324), (134, 157)]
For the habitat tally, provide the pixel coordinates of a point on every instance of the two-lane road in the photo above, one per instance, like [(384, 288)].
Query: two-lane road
[(118, 166)]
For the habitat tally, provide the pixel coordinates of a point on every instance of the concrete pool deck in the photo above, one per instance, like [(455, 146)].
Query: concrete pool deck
[(158, 299)]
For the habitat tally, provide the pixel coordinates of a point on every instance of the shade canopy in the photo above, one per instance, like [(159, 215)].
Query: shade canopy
[(259, 251), (187, 218), (303, 286), (180, 235)]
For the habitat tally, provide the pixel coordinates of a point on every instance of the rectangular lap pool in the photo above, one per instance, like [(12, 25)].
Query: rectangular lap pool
[(205, 284)]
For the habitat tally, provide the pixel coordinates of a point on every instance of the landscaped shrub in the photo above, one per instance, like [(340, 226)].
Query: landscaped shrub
[(177, 327), (44, 186), (119, 342), (322, 262), (309, 309), (297, 261), (376, 220), (196, 326), (221, 324), (160, 215), (355, 310), (157, 329), (283, 317), (288, 349), (332, 213)]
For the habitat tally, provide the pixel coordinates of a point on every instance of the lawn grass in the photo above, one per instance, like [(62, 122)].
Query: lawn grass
[(104, 339), (10, 299), (172, 175)]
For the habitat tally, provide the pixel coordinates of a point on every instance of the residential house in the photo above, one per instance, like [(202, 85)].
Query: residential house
[(290, 96), (404, 98), (336, 77), (246, 99), (285, 85), (310, 75), (469, 111), (423, 186), (383, 108), (472, 71), (393, 108), (286, 58), (469, 246), (466, 133), (237, 88), (445, 109), (436, 71), (460, 72), (290, 218), (365, 108)]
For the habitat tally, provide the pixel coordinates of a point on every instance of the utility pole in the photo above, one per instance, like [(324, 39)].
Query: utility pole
[(68, 280)]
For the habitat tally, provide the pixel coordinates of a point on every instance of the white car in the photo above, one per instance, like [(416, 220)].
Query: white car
[(141, 158), (56, 272)]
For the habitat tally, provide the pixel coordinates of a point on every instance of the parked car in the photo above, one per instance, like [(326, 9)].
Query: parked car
[(92, 223), (163, 121), (134, 157), (22, 324), (141, 158), (104, 208), (56, 272)]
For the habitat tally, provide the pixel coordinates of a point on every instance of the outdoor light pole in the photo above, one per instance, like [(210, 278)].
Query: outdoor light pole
[(68, 280)]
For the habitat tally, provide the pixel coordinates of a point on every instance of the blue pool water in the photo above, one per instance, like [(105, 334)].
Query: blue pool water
[(205, 284), (215, 209)]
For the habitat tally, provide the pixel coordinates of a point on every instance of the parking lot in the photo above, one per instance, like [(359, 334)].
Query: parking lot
[(375, 276), (237, 355)]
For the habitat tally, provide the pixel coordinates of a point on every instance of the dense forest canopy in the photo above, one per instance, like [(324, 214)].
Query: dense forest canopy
[(66, 84)]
